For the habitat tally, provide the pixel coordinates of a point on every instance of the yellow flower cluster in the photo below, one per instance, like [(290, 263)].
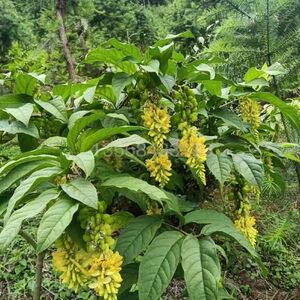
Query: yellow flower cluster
[(245, 223), (159, 167), (157, 120), (71, 262), (194, 149), (250, 112), (105, 275), (99, 266)]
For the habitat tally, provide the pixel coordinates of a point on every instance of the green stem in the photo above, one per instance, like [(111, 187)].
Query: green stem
[(39, 276), (174, 227)]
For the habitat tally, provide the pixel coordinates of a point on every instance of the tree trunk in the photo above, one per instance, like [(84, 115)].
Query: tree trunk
[(60, 4)]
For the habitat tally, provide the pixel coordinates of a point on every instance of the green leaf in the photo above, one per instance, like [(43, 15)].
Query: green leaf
[(159, 265), (201, 267), (208, 69), (79, 125), (230, 230), (18, 173), (34, 157), (15, 127), (119, 82), (81, 190), (206, 216), (55, 107), (133, 139), (21, 113), (14, 101), (137, 185), (115, 120), (54, 141), (54, 222), (186, 35), (230, 119), (253, 73), (103, 134), (276, 69), (136, 236), (28, 185), (287, 110), (220, 166), (28, 211), (25, 84), (214, 87), (84, 160), (249, 167)]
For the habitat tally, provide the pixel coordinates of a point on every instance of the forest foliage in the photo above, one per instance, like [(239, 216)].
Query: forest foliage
[(127, 126)]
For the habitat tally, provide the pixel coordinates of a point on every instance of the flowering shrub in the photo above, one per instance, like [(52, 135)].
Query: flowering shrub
[(119, 167)]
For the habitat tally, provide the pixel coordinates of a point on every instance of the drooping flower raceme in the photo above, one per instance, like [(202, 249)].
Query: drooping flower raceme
[(250, 112), (245, 222), (157, 120), (159, 167), (194, 149), (105, 275)]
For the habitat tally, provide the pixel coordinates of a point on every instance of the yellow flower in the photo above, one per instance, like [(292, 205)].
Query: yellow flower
[(159, 167), (105, 275), (250, 112), (72, 266), (157, 120), (193, 148), (246, 225)]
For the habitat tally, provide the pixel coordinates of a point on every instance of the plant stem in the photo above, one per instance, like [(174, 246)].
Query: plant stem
[(39, 276), (174, 227)]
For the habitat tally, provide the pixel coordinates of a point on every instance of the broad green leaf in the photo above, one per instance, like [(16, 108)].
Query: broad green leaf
[(230, 119), (134, 184), (15, 127), (133, 139), (84, 160), (81, 190), (112, 56), (76, 116), (54, 222), (167, 81), (276, 69), (54, 141), (186, 35), (159, 265), (115, 120), (129, 50), (79, 125), (119, 82), (14, 101), (206, 216), (136, 236), (18, 173), (89, 94), (253, 73), (214, 87), (232, 231), (220, 166), (105, 133), (55, 107), (201, 267), (287, 110), (249, 167), (25, 84), (28, 211), (24, 159), (21, 113), (208, 69), (28, 185)]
